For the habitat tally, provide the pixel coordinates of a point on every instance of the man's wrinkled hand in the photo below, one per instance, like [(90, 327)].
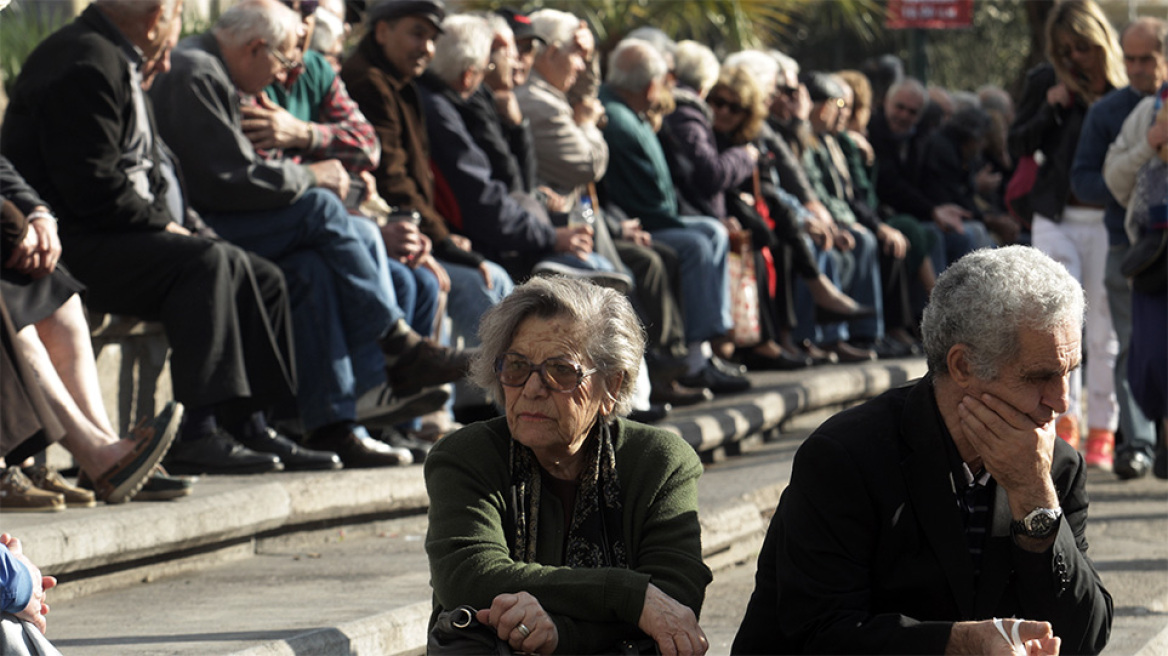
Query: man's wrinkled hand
[(1015, 449), (331, 175), (672, 625), (267, 125)]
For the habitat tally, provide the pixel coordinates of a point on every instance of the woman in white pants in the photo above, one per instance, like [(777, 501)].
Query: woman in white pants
[(1084, 63)]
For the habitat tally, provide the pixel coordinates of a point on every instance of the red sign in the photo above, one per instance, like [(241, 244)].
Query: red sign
[(929, 14)]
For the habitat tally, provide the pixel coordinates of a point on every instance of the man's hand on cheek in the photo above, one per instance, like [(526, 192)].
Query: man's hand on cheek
[(1015, 450)]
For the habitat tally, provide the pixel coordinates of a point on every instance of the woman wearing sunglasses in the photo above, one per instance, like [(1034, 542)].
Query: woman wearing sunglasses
[(568, 528)]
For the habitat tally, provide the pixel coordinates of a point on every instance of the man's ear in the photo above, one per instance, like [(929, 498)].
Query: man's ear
[(153, 22), (960, 369), (381, 32), (465, 80)]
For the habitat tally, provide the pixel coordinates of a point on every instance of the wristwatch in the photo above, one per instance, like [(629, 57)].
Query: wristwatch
[(1039, 523)]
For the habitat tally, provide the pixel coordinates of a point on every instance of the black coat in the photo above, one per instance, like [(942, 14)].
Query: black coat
[(867, 553)]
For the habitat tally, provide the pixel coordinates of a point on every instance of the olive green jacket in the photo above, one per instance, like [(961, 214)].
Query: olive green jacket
[(468, 480)]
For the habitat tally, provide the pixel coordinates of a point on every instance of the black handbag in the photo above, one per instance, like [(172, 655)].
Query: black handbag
[(458, 633), (1146, 263)]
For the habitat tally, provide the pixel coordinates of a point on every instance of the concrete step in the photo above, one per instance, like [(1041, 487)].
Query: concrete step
[(91, 549), (362, 589)]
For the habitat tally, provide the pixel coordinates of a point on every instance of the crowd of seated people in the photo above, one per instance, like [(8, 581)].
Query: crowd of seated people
[(320, 206)]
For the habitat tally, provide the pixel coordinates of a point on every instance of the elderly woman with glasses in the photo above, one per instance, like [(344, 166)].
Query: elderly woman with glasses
[(571, 529)]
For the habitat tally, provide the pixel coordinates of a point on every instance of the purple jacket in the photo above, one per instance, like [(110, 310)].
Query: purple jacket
[(702, 174)]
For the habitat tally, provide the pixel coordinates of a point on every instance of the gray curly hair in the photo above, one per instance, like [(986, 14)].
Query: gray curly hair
[(986, 297), (614, 340)]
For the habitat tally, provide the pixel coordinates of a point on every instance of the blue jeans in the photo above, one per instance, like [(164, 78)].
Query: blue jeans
[(831, 263), (702, 249), (950, 246), (340, 296), (469, 297), (1139, 433), (864, 285)]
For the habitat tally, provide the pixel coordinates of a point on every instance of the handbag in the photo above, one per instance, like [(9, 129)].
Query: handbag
[(1146, 263), (458, 633), (747, 330), (1017, 196)]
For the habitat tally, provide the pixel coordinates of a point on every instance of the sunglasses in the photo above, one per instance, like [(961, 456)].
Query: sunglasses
[(722, 103), (558, 374), (787, 91)]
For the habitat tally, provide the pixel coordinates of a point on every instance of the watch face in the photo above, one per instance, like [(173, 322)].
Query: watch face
[(1042, 523)]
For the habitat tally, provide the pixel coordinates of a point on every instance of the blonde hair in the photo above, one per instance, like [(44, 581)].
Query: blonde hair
[(1084, 19), (742, 81)]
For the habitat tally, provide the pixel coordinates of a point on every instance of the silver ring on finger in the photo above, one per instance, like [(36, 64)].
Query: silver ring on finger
[(522, 628)]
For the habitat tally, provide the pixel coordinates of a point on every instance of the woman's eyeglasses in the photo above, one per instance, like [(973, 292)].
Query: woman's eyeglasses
[(722, 103), (557, 374)]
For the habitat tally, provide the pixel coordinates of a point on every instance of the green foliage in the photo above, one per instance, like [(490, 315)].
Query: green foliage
[(724, 25), (23, 25), (993, 51)]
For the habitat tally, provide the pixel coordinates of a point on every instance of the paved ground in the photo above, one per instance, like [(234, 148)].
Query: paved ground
[(342, 582)]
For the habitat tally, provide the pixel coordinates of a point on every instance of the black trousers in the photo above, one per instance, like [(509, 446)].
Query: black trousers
[(225, 311)]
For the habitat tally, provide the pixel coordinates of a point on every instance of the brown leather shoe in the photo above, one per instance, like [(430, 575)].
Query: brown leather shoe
[(425, 364), (678, 395), (850, 354)]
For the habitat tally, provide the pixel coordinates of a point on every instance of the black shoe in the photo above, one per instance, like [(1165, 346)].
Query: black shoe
[(885, 349), (679, 395), (719, 381), (818, 356), (384, 408), (219, 453), (784, 362), (418, 449), (849, 354), (294, 456), (729, 368), (655, 413), (823, 315), (362, 452), (1131, 464)]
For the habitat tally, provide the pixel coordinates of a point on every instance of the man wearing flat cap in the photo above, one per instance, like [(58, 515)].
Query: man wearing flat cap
[(878, 272), (380, 76)]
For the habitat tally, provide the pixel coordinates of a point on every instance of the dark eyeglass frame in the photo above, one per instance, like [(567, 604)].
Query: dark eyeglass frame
[(787, 91), (290, 66), (580, 373), (734, 108)]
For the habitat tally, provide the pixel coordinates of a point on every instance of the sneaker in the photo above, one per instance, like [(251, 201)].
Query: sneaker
[(1067, 427), (18, 494), (1100, 447), (50, 480), (161, 486)]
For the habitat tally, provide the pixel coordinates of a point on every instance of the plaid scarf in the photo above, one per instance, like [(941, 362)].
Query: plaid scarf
[(594, 534)]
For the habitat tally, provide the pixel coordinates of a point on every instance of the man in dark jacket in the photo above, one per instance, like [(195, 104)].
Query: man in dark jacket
[(82, 133), (913, 520), (900, 185)]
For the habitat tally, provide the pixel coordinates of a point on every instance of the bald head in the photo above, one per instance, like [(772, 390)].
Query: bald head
[(1143, 43)]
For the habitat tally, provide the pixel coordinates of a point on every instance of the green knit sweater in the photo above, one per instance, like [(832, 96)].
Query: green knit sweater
[(469, 486)]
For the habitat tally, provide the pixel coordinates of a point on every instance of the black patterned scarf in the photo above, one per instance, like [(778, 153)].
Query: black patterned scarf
[(594, 535)]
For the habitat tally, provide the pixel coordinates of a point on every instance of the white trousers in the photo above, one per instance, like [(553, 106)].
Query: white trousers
[(1080, 244)]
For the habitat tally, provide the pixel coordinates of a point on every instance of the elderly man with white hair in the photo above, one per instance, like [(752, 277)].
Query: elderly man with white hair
[(640, 183), (350, 331), (915, 520)]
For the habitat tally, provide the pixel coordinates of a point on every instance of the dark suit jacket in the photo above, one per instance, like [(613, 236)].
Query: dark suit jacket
[(867, 553)]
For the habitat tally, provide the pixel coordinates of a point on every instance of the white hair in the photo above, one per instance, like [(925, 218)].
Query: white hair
[(464, 45), (985, 298), (553, 26), (139, 7), (912, 84), (500, 28), (762, 66), (697, 66), (634, 65), (787, 64), (271, 22)]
